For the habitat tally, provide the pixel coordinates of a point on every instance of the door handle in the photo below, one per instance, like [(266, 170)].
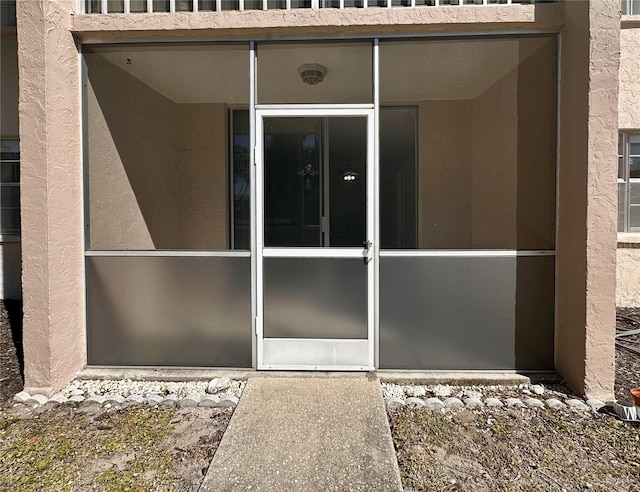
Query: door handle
[(365, 252)]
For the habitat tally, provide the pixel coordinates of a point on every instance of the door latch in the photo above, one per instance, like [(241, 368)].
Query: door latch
[(365, 252)]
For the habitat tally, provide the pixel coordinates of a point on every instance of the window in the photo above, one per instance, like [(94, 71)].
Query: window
[(7, 13), (9, 186), (629, 182), (630, 7)]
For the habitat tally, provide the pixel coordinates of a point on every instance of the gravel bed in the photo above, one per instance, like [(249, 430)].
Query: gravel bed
[(218, 392), (439, 397)]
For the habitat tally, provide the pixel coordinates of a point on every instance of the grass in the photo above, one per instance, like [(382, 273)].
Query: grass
[(515, 450), (62, 449)]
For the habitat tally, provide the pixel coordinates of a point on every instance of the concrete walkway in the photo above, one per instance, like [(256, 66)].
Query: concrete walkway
[(299, 434)]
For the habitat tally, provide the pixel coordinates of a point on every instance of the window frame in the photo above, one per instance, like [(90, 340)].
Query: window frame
[(624, 140), (8, 185)]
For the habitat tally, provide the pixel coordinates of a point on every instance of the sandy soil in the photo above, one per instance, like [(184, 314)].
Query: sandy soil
[(136, 448), (141, 448)]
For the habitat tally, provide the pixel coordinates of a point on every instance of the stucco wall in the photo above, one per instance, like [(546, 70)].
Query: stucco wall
[(131, 169), (51, 188), (495, 169), (629, 96), (586, 241), (202, 176), (628, 274), (157, 169), (628, 267), (445, 163), (495, 157), (536, 126)]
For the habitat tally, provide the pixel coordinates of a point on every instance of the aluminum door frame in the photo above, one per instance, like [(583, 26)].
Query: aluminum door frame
[(312, 110)]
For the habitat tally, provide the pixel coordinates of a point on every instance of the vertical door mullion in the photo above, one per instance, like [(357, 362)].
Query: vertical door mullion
[(375, 212), (256, 254), (370, 236), (259, 228), (325, 202)]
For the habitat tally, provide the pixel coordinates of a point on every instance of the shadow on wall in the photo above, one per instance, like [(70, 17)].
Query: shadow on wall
[(126, 116), (157, 168)]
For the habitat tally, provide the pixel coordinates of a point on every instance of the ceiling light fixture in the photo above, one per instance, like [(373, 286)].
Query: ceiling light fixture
[(349, 177), (312, 73)]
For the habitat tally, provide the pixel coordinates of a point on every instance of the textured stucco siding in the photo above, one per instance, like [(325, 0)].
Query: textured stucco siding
[(629, 97), (51, 187), (296, 22), (628, 268), (586, 242), (628, 277)]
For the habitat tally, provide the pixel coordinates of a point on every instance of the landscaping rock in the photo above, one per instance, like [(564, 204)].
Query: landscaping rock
[(472, 394), (415, 402), (433, 404), (595, 404), (395, 403), (218, 384), (134, 400), (209, 401), (94, 400), (493, 403), (36, 400), (114, 400), (473, 403), (537, 389), (555, 404), (514, 402), (21, 397), (577, 405), (169, 400), (228, 402), (56, 400), (533, 403), (415, 391), (190, 401), (442, 390), (453, 402), (154, 400)]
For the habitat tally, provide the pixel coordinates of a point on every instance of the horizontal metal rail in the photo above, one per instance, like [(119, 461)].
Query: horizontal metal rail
[(172, 6)]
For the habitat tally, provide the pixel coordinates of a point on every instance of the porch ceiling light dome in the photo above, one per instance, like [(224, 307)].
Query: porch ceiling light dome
[(312, 73)]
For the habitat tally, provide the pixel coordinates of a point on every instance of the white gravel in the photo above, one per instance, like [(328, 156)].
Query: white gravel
[(128, 387)]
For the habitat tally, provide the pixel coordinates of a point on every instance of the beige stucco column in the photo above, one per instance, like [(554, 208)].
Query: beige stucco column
[(586, 248), (51, 179)]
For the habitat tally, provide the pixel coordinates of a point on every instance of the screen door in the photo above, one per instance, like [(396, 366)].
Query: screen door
[(314, 232)]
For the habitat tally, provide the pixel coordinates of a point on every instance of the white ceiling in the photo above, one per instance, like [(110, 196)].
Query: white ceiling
[(410, 71)]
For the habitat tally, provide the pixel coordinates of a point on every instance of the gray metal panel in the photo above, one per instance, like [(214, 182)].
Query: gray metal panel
[(169, 311), (467, 313), (315, 298)]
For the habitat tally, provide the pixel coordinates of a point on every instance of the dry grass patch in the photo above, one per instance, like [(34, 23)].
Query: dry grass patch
[(136, 448), (523, 450)]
